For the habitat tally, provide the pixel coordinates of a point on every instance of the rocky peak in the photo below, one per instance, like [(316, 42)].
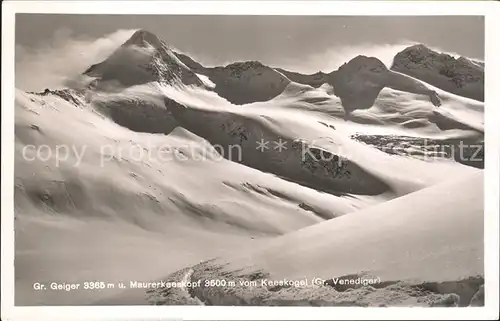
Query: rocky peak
[(246, 65), (240, 67), (143, 38), (362, 62), (130, 65), (460, 75)]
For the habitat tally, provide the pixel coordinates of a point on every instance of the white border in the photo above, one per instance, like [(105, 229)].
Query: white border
[(489, 9)]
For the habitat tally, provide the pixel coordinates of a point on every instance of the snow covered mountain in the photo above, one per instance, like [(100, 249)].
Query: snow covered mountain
[(163, 160), (242, 82), (461, 76), (141, 59)]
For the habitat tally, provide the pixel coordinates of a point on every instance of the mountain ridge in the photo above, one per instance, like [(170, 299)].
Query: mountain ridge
[(461, 76), (243, 82)]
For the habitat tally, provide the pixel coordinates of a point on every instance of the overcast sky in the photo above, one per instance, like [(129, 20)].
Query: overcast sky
[(225, 37), (61, 45)]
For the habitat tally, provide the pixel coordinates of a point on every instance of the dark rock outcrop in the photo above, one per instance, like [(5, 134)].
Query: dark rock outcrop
[(72, 96)]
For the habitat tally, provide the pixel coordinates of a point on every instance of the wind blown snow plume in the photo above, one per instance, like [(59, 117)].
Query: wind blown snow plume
[(63, 60), (331, 59)]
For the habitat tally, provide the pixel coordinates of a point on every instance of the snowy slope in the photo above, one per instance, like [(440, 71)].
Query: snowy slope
[(122, 189), (416, 251), (162, 161), (411, 238)]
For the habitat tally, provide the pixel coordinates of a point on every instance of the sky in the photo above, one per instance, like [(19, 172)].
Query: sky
[(301, 43)]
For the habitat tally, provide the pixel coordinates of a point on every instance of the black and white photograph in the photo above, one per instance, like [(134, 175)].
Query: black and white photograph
[(248, 160)]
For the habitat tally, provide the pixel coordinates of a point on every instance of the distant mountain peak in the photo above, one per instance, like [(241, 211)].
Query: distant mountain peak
[(461, 76), (246, 64), (361, 62), (418, 46), (143, 38), (130, 67)]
